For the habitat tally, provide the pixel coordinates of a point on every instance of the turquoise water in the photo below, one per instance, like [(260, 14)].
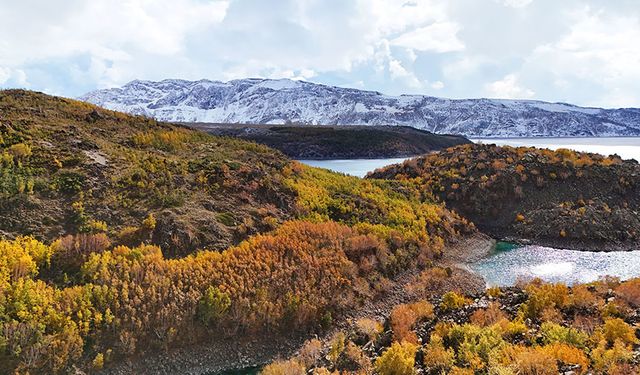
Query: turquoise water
[(244, 371), (509, 262)]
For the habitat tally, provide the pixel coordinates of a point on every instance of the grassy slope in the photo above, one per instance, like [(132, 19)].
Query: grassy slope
[(205, 191)]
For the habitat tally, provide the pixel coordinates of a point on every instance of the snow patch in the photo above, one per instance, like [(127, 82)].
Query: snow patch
[(275, 101)]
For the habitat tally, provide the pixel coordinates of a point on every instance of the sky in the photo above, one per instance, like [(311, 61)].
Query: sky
[(584, 52)]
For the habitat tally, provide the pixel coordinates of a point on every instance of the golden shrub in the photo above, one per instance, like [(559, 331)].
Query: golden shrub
[(369, 327), (310, 352), (321, 371), (542, 296), (436, 357), (582, 298), (290, 367), (453, 300), (604, 357), (461, 371), (511, 328), (629, 291), (353, 359), (399, 359), (535, 361), (494, 292), (616, 329), (568, 355)]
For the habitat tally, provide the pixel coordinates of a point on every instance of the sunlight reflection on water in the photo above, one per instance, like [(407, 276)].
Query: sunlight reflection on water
[(506, 267)]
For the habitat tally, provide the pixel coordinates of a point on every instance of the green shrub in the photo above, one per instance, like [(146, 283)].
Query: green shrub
[(68, 182), (226, 218), (474, 345), (213, 305), (555, 333)]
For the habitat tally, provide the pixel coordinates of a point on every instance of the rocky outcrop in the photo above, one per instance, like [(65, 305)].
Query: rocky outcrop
[(561, 198)]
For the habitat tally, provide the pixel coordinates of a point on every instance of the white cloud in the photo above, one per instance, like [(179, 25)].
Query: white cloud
[(439, 37), (111, 35), (392, 16), (101, 27), (508, 88), (581, 51), (464, 66), (20, 77), (398, 71), (16, 76), (515, 3), (601, 50), (411, 55), (5, 74), (304, 74)]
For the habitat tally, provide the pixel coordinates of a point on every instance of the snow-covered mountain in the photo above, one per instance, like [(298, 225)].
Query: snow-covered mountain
[(263, 101)]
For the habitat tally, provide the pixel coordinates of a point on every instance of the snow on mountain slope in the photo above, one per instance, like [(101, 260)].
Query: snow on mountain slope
[(263, 101)]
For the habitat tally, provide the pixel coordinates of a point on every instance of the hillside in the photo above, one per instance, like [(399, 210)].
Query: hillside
[(338, 142), (151, 237), (560, 198), (262, 101), (70, 167)]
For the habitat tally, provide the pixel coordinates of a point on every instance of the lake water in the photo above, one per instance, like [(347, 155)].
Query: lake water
[(508, 263), (354, 167), (626, 147)]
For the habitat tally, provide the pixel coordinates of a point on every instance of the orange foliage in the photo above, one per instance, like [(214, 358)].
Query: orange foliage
[(630, 292), (404, 317), (489, 316)]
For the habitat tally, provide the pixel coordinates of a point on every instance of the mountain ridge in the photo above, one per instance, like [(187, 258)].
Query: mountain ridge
[(268, 101)]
